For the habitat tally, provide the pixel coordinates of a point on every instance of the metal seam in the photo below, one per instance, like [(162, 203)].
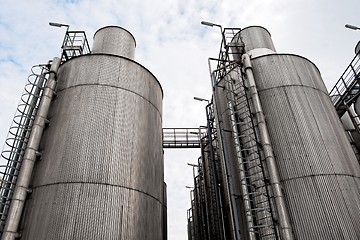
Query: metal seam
[(105, 184), (318, 175), (292, 85), (107, 85)]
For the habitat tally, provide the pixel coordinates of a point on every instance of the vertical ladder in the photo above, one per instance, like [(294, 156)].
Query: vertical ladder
[(18, 136), (259, 213), (254, 184), (211, 167), (202, 210)]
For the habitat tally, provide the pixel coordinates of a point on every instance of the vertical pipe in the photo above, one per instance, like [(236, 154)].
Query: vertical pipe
[(229, 176), (22, 184), (283, 215), (213, 166)]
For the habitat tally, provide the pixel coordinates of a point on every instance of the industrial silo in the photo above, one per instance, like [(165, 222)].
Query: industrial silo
[(101, 170), (317, 168)]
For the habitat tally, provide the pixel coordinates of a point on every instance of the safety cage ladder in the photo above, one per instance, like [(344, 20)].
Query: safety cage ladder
[(18, 136)]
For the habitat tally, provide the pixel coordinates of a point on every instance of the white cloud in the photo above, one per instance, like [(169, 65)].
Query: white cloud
[(173, 45)]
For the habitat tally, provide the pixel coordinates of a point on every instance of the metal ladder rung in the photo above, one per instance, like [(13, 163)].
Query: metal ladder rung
[(254, 178)]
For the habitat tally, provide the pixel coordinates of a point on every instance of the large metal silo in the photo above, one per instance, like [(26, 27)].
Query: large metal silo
[(317, 167), (101, 173)]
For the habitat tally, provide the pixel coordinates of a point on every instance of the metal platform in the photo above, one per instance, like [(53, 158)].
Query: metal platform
[(347, 89), (75, 44)]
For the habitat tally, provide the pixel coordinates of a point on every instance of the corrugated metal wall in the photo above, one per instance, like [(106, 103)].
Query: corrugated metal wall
[(101, 173), (114, 40), (319, 174), (318, 168), (255, 37)]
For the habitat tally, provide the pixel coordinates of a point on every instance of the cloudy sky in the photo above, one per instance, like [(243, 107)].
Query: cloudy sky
[(173, 45)]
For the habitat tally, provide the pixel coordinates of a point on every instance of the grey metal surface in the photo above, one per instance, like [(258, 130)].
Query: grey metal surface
[(347, 121), (114, 40), (357, 106), (164, 213), (101, 174), (233, 204), (317, 166), (281, 207), (92, 211), (255, 37)]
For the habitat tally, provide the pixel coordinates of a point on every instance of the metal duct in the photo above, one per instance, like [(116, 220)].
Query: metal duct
[(101, 174)]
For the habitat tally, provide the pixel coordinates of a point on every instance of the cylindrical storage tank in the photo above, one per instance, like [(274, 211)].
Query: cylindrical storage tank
[(101, 173), (257, 41), (318, 169), (114, 40)]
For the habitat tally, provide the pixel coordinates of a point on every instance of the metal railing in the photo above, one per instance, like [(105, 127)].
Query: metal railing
[(347, 88), (255, 192), (230, 41), (182, 137), (257, 205), (75, 44)]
